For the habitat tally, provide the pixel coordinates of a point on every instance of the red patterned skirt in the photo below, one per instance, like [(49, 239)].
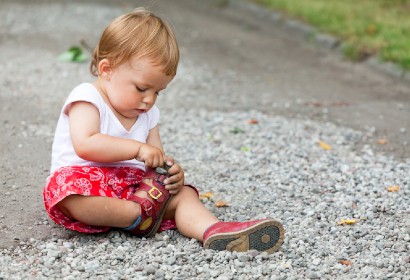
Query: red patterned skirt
[(118, 182)]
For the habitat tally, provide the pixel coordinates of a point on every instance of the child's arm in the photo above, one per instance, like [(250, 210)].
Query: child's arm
[(90, 144), (176, 181), (154, 138)]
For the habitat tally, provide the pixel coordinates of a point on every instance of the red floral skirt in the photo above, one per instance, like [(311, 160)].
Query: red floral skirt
[(118, 182)]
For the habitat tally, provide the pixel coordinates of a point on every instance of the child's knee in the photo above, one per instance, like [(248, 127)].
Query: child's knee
[(67, 204), (188, 191), (185, 193)]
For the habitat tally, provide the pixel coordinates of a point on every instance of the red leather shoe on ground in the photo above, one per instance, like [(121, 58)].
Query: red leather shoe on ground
[(153, 207), (261, 235)]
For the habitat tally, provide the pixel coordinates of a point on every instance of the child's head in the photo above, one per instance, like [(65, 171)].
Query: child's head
[(139, 34)]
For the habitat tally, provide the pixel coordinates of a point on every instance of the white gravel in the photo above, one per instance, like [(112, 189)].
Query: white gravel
[(274, 168)]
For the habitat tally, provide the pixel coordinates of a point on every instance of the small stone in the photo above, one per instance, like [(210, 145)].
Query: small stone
[(68, 245), (313, 275), (238, 263), (159, 244), (321, 207), (243, 257), (310, 213), (92, 265), (159, 274), (214, 273), (150, 269), (401, 248), (171, 260), (316, 261), (253, 253), (53, 254), (159, 237)]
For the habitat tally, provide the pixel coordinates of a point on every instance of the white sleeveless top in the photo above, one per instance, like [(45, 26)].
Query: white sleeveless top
[(63, 153)]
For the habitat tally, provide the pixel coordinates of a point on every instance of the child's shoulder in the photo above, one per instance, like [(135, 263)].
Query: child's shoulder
[(85, 88), (85, 91)]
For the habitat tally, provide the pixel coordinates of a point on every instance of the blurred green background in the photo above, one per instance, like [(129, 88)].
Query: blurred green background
[(366, 27)]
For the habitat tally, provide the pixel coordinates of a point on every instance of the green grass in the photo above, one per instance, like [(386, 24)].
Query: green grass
[(366, 27)]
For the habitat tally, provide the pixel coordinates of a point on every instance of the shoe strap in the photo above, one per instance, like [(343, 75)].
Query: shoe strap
[(146, 205)]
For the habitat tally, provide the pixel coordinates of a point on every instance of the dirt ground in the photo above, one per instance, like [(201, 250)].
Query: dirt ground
[(263, 65)]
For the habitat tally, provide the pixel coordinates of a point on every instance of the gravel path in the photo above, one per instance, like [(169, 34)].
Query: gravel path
[(272, 168)]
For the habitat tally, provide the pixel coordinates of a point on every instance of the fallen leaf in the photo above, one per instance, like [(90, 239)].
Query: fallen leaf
[(340, 104), (382, 141), (394, 188), (371, 29), (315, 104), (347, 222), (237, 130), (221, 203), (253, 121), (207, 195), (245, 149), (345, 262), (73, 54), (324, 146), (331, 104)]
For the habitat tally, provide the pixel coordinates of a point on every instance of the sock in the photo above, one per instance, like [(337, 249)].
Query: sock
[(134, 224)]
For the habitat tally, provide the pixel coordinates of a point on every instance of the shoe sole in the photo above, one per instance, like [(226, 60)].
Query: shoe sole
[(266, 236), (157, 224)]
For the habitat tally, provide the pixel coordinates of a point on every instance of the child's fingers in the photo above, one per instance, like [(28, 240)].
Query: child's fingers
[(147, 162), (175, 169), (157, 160), (169, 161), (179, 177), (172, 188), (174, 191)]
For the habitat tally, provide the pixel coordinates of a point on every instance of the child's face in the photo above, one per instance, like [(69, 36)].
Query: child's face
[(132, 88)]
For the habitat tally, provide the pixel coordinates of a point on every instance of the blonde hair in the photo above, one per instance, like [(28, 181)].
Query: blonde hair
[(135, 35)]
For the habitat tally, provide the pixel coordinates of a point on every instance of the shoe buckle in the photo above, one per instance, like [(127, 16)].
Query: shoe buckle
[(147, 206), (155, 193)]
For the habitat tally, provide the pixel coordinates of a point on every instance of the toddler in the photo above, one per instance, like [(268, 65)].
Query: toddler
[(109, 169)]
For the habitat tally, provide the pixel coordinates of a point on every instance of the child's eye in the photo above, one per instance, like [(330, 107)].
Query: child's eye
[(157, 93), (141, 89)]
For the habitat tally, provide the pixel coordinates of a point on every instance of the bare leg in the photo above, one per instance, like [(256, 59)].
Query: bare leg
[(191, 216), (100, 211)]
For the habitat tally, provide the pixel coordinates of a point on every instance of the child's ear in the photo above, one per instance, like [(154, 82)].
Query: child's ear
[(105, 69)]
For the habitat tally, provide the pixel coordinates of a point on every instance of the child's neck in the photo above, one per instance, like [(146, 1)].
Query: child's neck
[(127, 123)]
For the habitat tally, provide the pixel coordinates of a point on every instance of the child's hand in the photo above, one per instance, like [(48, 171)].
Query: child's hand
[(150, 155), (176, 181)]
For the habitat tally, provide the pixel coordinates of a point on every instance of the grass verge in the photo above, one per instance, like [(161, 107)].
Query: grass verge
[(366, 27)]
